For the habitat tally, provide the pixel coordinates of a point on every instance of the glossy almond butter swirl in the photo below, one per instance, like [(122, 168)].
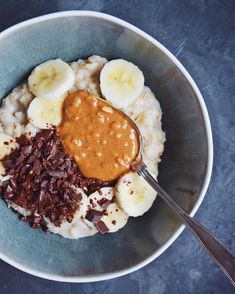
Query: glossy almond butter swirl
[(102, 140)]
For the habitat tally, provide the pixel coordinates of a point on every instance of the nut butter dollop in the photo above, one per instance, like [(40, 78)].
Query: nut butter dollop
[(101, 139)]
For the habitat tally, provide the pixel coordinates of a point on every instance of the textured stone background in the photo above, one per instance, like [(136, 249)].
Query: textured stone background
[(202, 35)]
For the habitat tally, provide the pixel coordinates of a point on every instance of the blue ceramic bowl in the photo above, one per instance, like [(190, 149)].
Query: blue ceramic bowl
[(186, 165)]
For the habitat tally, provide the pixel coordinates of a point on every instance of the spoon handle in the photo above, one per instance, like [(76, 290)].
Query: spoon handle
[(221, 255)]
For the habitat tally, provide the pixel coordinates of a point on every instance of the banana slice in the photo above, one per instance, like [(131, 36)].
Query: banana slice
[(115, 218), (134, 195), (51, 79), (3, 176), (2, 170), (45, 113), (7, 143), (121, 82)]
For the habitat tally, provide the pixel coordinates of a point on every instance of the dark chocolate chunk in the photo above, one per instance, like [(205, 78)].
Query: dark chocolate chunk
[(37, 167), (20, 159), (27, 149), (9, 192), (101, 227), (25, 168), (42, 175), (94, 216), (104, 202)]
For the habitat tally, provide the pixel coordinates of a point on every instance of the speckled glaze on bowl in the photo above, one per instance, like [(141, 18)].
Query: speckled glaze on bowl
[(186, 165)]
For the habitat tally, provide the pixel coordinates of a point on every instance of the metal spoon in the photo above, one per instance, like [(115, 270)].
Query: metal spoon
[(221, 255)]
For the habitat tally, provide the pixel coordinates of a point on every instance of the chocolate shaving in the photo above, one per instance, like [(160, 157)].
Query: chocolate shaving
[(94, 216), (104, 202), (44, 179), (101, 227)]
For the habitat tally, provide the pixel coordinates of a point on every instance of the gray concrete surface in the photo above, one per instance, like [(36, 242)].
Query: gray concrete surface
[(202, 35)]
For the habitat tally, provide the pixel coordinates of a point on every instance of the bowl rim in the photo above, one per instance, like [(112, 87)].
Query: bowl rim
[(113, 19)]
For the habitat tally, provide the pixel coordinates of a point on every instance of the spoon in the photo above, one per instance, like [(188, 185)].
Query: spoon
[(221, 255)]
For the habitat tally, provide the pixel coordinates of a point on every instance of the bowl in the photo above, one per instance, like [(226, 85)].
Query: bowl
[(186, 165)]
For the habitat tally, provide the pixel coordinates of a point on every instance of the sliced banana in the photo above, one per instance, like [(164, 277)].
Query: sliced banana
[(2, 170), (51, 79), (7, 143), (133, 194), (45, 113), (115, 218), (121, 82)]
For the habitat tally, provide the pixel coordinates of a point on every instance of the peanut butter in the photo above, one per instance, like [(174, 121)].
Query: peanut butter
[(102, 140)]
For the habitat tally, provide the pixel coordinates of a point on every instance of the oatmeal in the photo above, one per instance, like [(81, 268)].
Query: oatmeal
[(38, 177)]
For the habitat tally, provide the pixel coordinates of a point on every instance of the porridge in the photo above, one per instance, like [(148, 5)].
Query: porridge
[(56, 170)]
